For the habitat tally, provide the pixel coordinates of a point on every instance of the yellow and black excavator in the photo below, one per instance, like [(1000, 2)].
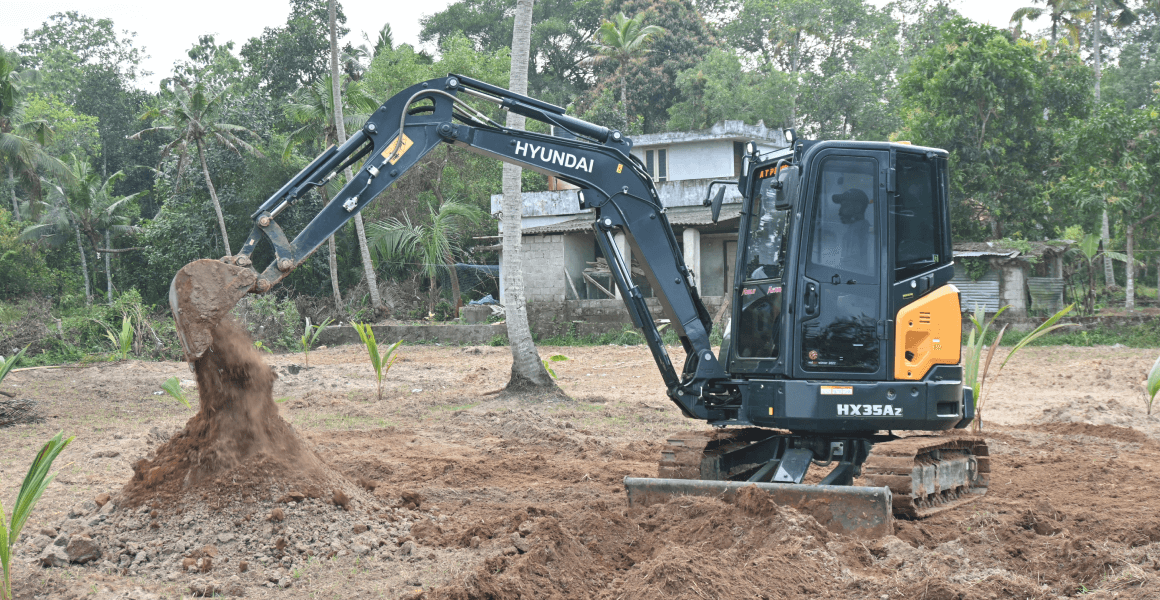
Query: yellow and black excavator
[(845, 331)]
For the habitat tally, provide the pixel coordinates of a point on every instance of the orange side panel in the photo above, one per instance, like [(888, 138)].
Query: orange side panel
[(928, 332)]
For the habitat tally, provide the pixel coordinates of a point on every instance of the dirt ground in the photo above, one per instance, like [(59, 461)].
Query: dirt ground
[(465, 495)]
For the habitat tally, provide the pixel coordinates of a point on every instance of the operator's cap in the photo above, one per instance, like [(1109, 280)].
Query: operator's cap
[(851, 195)]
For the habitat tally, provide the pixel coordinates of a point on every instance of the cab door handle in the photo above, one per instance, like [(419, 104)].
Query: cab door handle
[(810, 301)]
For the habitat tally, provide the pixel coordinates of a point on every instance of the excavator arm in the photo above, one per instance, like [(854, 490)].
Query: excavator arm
[(412, 123)]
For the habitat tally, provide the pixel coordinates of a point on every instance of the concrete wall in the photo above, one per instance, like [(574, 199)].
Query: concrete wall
[(587, 317), (706, 159), (389, 334), (564, 202), (688, 192), (543, 256), (1013, 287)]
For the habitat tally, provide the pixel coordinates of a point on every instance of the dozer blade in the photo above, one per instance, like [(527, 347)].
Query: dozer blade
[(201, 294), (863, 512)]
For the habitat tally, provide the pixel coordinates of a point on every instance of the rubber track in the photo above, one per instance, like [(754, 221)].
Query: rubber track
[(682, 458), (892, 463)]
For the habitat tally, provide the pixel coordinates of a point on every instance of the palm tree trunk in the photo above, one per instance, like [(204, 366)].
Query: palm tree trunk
[(340, 126), (1098, 23), (108, 270), (624, 96), (12, 187), (1130, 286), (217, 207), (454, 286), (1106, 239), (332, 260), (527, 369), (84, 266)]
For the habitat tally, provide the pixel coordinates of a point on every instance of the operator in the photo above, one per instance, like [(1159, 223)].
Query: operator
[(854, 248)]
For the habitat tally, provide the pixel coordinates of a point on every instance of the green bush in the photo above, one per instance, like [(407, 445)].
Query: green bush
[(24, 272), (276, 324)]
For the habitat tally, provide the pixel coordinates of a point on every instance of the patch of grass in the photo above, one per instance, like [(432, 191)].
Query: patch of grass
[(1137, 335), (626, 336), (341, 422), (453, 407)]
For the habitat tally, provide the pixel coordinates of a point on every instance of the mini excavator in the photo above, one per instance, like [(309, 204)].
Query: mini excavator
[(844, 331)]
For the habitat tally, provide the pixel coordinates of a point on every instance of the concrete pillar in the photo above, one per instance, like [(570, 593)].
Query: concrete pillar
[(1013, 289), (692, 242), (626, 252)]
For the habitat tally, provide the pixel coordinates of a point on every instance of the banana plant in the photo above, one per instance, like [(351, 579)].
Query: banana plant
[(380, 361), (35, 482), (1089, 248)]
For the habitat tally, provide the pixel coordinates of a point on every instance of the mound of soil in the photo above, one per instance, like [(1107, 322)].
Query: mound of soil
[(237, 444)]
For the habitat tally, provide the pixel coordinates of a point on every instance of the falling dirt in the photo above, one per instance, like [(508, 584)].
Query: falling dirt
[(236, 442)]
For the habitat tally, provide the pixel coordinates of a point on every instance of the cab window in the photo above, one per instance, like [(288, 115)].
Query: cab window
[(918, 226)]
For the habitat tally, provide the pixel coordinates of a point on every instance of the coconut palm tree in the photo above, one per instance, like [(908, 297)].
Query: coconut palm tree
[(1063, 13), (624, 40), (527, 370), (193, 113), (22, 141), (312, 107), (88, 209), (57, 226), (434, 244), (384, 41), (340, 127)]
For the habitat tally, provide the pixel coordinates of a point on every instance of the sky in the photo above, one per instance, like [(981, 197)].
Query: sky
[(168, 29)]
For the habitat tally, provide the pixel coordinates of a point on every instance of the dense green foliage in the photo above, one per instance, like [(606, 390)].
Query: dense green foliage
[(1034, 155)]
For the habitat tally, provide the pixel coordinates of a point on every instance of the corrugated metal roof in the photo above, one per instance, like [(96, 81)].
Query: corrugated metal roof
[(684, 216), (986, 253), (582, 224), (968, 249)]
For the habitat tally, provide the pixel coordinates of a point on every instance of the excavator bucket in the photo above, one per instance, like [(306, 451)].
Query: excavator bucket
[(863, 512), (201, 294)]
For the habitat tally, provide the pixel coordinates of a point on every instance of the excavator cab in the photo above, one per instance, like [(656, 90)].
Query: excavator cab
[(845, 330), (845, 256)]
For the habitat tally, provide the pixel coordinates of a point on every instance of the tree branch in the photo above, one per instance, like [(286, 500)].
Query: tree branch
[(116, 250)]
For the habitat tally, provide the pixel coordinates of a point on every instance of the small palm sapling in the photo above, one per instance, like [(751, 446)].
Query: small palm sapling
[(1152, 385), (35, 482), (380, 361), (310, 337)]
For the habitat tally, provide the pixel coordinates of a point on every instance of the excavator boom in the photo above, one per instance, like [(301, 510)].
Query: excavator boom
[(408, 126)]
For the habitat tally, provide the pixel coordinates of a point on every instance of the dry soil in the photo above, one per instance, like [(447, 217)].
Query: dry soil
[(444, 491)]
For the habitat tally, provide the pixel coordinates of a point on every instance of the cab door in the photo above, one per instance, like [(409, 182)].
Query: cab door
[(840, 317)]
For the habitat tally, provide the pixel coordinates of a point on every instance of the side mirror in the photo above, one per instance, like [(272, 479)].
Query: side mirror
[(786, 186), (715, 207)]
